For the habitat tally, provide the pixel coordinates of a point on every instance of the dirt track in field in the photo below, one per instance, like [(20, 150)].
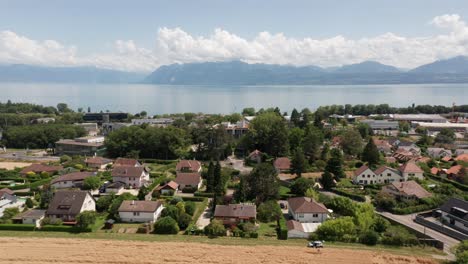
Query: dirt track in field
[(62, 250)]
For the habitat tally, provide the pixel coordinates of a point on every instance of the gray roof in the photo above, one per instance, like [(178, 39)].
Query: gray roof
[(457, 207), (244, 211)]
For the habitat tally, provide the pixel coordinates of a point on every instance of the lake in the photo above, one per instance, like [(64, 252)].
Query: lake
[(161, 99)]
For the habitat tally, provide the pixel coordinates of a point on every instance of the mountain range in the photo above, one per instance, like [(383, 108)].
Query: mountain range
[(454, 70)]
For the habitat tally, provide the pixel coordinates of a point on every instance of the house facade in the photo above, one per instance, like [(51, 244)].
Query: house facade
[(188, 166), (188, 180), (439, 153), (133, 177), (66, 205), (306, 210), (71, 180), (140, 211), (99, 163), (364, 175)]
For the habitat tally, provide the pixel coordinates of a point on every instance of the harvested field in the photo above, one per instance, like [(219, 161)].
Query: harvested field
[(62, 250), (12, 165)]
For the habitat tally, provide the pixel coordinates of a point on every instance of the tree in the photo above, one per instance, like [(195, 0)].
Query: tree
[(262, 183), (46, 196), (184, 220), (104, 202), (29, 203), (85, 219), (166, 225), (380, 224), (190, 207), (142, 192), (424, 141), (63, 108), (296, 136), (313, 140), (370, 237), (351, 142), (295, 117), (340, 229), (445, 136), (218, 181), (371, 154), (91, 183), (269, 134), (324, 155), (215, 229), (404, 126), (171, 211), (298, 162), (300, 186), (327, 180), (335, 164), (461, 252), (249, 111), (210, 177), (269, 211), (9, 213), (365, 130)]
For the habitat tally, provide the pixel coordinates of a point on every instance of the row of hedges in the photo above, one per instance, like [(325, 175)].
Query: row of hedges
[(48, 228), (282, 229), (445, 180), (356, 197), (159, 161), (202, 194), (17, 227), (185, 199), (412, 209), (26, 186), (24, 193)]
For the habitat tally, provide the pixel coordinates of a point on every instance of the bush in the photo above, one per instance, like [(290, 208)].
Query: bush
[(166, 225), (91, 183), (65, 158), (51, 221), (79, 166), (171, 211), (203, 194), (184, 221), (399, 236), (215, 229), (282, 229), (175, 200), (189, 189), (85, 219), (356, 197), (340, 229), (190, 207), (269, 211), (17, 227), (45, 175), (254, 235), (62, 228), (29, 203), (369, 238), (461, 252)]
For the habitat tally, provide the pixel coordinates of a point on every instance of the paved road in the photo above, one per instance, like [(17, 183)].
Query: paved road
[(204, 218), (407, 220)]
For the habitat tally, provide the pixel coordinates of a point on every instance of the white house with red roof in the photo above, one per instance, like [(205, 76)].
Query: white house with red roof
[(382, 175), (188, 166), (306, 210), (410, 169)]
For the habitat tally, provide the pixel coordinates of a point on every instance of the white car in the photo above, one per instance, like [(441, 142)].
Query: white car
[(315, 244)]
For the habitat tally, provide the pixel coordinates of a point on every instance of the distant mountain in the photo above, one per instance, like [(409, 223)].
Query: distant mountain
[(368, 72), (31, 73), (367, 67), (456, 65)]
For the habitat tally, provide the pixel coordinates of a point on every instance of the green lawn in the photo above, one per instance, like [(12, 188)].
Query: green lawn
[(283, 190), (267, 230), (200, 207)]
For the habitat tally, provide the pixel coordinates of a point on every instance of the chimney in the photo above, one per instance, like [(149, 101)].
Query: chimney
[(132, 202)]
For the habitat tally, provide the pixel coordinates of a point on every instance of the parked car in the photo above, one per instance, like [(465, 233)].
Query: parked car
[(282, 205), (315, 244)]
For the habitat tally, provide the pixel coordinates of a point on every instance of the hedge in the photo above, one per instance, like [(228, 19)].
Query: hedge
[(159, 161), (17, 227), (193, 199), (356, 197), (282, 229), (24, 193), (445, 180), (412, 209), (63, 228), (28, 185), (201, 194)]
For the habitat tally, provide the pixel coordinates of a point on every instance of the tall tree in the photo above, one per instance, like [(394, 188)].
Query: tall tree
[(262, 183), (351, 142), (218, 181), (296, 137), (312, 142), (295, 117), (298, 162), (269, 133), (306, 116), (371, 154), (300, 186), (335, 164), (210, 177), (327, 180), (324, 155)]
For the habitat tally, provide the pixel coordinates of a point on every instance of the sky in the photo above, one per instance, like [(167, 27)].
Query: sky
[(142, 35)]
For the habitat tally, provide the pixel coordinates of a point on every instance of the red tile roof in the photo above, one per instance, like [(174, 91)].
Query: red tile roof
[(98, 160), (191, 165), (360, 170), (127, 171), (411, 188), (140, 206), (126, 162), (462, 157), (38, 168), (294, 225), (410, 167), (74, 176), (434, 170), (5, 190), (306, 205), (282, 163), (170, 185), (243, 211), (454, 170), (188, 178)]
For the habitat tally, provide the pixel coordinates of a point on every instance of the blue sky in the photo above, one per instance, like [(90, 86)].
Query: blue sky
[(91, 28)]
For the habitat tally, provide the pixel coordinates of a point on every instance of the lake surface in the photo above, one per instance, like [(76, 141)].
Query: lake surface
[(161, 99)]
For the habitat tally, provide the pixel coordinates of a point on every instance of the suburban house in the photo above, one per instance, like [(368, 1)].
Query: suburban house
[(306, 210), (188, 180), (84, 146), (140, 211), (453, 171), (33, 217), (383, 146), (66, 205), (410, 146), (438, 153), (406, 190), (6, 193), (8, 199), (462, 157), (255, 156), (455, 213), (382, 127), (115, 187), (410, 169), (237, 129), (364, 175), (133, 177), (188, 166), (168, 188), (38, 168), (461, 151), (282, 164), (97, 162), (127, 162), (156, 122), (300, 230), (71, 180), (233, 214)]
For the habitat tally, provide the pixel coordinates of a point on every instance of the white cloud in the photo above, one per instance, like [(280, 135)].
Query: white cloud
[(177, 46)]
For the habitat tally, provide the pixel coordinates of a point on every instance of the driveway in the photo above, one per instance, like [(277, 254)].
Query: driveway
[(204, 218), (237, 164), (407, 220)]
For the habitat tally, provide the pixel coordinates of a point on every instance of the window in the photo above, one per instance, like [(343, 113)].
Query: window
[(136, 213), (300, 215), (315, 215), (389, 174)]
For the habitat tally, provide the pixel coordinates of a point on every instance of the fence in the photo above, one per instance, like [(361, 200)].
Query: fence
[(449, 232)]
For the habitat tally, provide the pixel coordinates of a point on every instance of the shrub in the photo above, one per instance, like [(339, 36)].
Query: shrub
[(85, 219), (254, 235), (78, 166), (91, 183), (45, 175), (380, 224), (166, 225), (190, 207), (369, 238), (29, 203), (51, 221), (184, 221), (17, 227), (282, 229), (65, 158), (189, 189), (461, 252), (171, 211), (399, 236), (341, 229), (215, 229), (175, 200), (269, 211)]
